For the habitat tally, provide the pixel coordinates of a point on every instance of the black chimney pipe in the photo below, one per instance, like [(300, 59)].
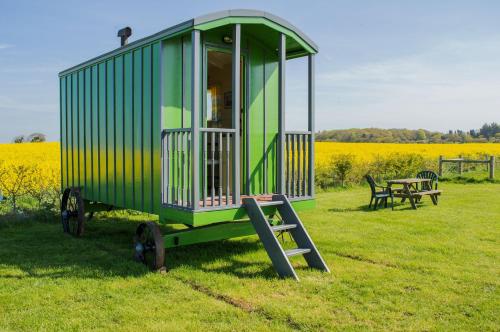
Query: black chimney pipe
[(124, 34)]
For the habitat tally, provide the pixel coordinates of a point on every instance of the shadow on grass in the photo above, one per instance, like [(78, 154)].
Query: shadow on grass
[(34, 249), (222, 257), (398, 206), (361, 208)]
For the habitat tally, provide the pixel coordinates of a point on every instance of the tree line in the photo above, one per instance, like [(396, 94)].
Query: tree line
[(487, 133), (33, 138)]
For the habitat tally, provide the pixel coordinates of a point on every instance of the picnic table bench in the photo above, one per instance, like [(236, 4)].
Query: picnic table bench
[(411, 190)]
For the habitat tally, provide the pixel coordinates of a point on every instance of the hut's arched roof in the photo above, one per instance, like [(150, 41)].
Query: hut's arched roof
[(261, 25)]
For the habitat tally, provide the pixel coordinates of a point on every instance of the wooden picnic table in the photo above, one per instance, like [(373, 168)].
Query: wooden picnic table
[(411, 190)]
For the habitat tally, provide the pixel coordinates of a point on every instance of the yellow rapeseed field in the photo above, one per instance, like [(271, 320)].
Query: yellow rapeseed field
[(29, 168), (41, 161), (325, 151)]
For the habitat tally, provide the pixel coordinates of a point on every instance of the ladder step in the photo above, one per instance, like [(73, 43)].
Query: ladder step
[(271, 203), (297, 251), (283, 227)]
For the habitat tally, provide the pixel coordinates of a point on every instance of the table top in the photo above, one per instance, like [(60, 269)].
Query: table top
[(407, 181)]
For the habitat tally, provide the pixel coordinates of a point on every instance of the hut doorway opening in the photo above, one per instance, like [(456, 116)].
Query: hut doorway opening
[(218, 114)]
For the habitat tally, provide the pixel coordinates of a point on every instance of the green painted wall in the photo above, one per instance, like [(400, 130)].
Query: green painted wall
[(112, 111), (109, 136), (263, 118)]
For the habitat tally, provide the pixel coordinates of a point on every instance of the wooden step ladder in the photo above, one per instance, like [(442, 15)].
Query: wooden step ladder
[(293, 225)]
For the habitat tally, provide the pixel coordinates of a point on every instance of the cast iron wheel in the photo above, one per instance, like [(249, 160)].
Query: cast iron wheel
[(149, 247), (72, 213)]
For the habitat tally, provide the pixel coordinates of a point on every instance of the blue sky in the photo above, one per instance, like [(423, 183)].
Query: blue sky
[(389, 64)]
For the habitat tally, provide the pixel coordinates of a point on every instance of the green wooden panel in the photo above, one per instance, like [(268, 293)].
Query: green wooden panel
[(96, 176), (88, 135), (256, 120), (81, 131), (119, 124), (103, 166), (138, 175), (110, 130), (63, 128), (208, 233), (176, 216), (128, 131), (156, 145), (147, 194), (186, 63), (172, 83), (74, 128), (271, 74)]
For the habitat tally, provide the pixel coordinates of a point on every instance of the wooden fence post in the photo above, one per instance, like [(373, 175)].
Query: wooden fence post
[(440, 165), (492, 167)]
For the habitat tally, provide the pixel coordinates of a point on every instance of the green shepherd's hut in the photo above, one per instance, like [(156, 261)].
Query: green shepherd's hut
[(189, 124)]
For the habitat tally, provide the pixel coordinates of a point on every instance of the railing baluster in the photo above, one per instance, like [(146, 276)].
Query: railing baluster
[(182, 151), (220, 168), (228, 143), (184, 178), (189, 171), (297, 185), (212, 150), (174, 167), (293, 166), (179, 165), (304, 151), (287, 169), (204, 174)]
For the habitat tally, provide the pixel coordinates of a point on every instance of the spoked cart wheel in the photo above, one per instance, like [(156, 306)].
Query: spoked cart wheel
[(149, 247), (72, 213)]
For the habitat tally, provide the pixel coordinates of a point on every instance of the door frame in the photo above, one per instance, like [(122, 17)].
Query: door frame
[(244, 115)]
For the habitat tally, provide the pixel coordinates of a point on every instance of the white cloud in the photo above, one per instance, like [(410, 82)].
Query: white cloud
[(455, 85), (4, 46)]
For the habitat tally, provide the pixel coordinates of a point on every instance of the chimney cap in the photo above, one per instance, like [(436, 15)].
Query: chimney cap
[(124, 34)]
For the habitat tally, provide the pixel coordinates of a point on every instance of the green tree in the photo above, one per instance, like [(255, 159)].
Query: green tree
[(421, 136)]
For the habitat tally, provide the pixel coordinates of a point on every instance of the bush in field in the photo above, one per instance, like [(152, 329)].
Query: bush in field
[(322, 177), (347, 168), (15, 179), (44, 186), (397, 165), (342, 166)]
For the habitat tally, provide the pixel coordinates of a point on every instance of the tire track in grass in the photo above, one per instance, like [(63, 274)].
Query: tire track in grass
[(238, 303), (358, 258), (366, 260)]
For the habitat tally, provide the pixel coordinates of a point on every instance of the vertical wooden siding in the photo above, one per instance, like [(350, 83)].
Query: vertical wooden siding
[(263, 118), (110, 130)]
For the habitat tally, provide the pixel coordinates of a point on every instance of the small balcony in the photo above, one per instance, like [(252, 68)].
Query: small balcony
[(217, 177)]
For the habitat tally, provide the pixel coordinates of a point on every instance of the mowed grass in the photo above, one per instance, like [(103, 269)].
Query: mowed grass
[(431, 269)]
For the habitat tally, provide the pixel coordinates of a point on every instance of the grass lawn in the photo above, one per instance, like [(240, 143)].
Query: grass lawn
[(431, 269)]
